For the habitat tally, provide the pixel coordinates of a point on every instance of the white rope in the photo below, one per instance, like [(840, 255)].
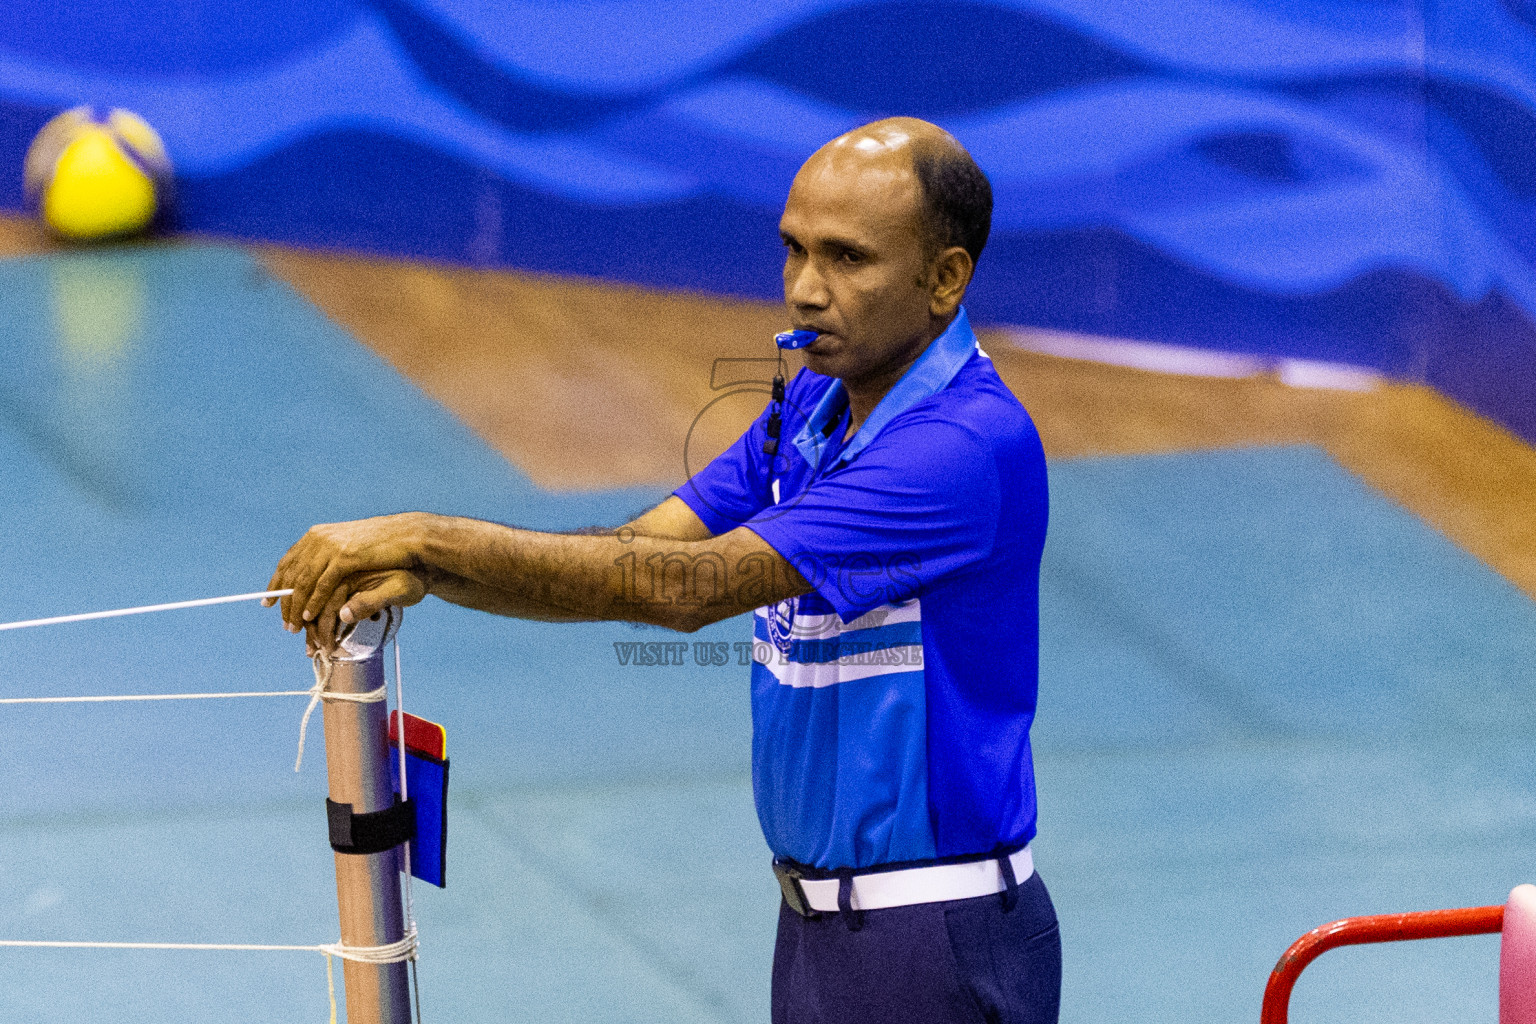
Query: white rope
[(379, 956), (410, 909), (316, 693), (322, 666), (59, 620), (166, 945), (393, 953), (155, 696)]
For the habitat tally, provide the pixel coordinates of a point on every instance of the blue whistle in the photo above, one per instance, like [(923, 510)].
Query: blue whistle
[(795, 339)]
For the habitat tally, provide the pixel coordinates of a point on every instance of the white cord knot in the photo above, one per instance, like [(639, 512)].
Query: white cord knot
[(321, 691), (379, 956), (394, 953)]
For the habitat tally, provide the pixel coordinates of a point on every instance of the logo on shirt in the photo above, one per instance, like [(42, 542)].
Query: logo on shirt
[(819, 650), (781, 624), (786, 623)]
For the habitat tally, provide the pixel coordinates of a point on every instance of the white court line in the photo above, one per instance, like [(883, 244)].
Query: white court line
[(59, 620)]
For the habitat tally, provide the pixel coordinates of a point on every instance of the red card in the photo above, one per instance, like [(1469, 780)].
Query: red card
[(422, 737)]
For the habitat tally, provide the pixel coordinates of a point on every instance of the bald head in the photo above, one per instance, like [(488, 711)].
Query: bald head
[(953, 196), (880, 246), (893, 134)]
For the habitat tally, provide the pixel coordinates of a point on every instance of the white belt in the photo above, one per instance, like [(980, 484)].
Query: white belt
[(907, 886)]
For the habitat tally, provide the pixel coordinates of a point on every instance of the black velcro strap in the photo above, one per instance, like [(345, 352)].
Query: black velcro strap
[(373, 832)]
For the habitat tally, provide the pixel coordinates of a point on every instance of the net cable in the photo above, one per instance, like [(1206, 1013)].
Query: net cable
[(403, 950)]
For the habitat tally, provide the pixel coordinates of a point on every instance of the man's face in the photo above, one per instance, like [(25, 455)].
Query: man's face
[(855, 269)]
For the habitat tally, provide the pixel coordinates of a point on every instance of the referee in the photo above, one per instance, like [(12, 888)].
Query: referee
[(884, 522)]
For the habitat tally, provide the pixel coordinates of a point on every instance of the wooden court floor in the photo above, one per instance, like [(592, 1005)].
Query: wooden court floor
[(588, 385)]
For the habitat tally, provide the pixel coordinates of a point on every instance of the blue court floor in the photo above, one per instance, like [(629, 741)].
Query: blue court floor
[(1270, 698)]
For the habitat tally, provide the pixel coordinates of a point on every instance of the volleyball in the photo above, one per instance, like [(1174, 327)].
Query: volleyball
[(92, 176)]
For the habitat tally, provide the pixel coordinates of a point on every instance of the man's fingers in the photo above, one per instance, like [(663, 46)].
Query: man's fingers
[(400, 588), (359, 597), (367, 603), (326, 622), (288, 577), (312, 643), (276, 582), (337, 569), (301, 580), (312, 576), (315, 568)]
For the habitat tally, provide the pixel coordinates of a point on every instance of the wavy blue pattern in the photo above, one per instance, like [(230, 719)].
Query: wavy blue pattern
[(1340, 179), (170, 38)]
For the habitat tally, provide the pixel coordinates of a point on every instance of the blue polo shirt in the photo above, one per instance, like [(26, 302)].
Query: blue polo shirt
[(891, 706)]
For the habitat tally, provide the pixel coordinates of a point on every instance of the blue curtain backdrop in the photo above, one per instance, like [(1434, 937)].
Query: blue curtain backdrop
[(1348, 180)]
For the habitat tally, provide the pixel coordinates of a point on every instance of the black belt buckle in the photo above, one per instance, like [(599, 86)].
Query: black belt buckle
[(794, 893)]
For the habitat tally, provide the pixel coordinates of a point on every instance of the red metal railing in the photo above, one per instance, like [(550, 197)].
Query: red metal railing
[(1354, 931)]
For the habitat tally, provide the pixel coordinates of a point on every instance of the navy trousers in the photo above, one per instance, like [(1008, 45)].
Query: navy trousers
[(965, 961)]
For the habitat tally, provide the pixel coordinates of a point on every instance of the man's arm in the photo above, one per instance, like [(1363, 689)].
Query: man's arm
[(347, 571), (672, 520)]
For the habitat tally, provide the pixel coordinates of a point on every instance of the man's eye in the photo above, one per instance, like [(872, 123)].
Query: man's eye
[(849, 256)]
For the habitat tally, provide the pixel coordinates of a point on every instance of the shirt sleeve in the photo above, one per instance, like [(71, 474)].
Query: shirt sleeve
[(734, 486), (920, 504)]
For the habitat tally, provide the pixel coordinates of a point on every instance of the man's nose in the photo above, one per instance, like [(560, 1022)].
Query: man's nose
[(804, 287)]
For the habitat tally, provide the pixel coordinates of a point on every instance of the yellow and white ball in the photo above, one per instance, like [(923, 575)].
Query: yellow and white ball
[(93, 177)]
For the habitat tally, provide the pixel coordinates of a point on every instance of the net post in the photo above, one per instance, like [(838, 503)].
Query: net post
[(357, 765)]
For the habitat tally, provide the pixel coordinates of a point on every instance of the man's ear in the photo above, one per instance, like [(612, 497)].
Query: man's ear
[(949, 276)]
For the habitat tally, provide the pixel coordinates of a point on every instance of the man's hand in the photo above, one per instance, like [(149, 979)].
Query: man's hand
[(359, 597), (679, 577), (333, 562)]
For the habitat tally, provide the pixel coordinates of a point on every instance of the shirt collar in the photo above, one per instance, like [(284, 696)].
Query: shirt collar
[(932, 372)]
